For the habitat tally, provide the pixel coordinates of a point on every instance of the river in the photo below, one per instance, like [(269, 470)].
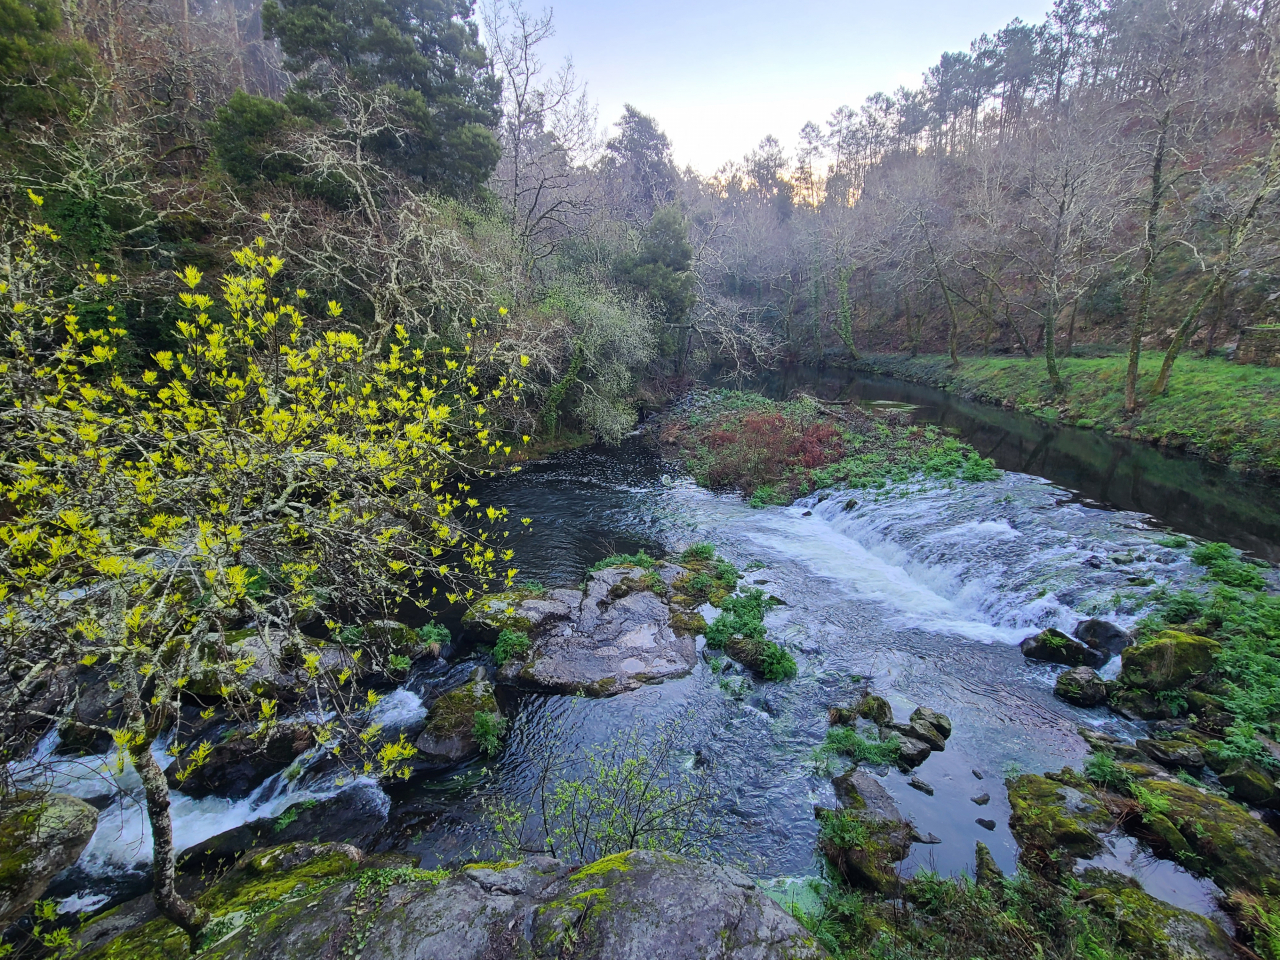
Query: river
[(924, 592)]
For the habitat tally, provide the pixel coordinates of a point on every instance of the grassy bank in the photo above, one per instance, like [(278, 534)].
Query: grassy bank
[(1223, 411), (774, 452)]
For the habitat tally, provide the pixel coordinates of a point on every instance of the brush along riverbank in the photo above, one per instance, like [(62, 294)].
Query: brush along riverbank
[(1225, 412), (775, 452)]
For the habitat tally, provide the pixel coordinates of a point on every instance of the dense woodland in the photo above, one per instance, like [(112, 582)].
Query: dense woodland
[(1102, 179)]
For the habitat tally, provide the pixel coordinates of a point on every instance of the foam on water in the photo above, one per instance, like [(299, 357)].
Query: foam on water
[(990, 562)]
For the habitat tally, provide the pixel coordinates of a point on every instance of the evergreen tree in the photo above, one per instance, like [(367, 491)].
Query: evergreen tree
[(427, 53)]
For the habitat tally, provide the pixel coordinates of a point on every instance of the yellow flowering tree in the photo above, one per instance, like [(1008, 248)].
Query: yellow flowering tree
[(203, 529)]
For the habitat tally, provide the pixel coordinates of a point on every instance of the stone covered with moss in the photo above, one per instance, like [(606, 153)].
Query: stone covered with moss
[(1149, 927), (39, 837), (301, 902), (1057, 812), (1169, 660), (449, 736)]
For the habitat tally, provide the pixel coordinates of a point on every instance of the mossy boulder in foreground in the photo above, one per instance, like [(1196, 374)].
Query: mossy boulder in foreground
[(1148, 927), (1057, 811), (39, 837), (301, 902)]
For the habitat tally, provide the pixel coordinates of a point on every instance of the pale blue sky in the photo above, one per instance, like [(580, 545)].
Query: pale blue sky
[(719, 75)]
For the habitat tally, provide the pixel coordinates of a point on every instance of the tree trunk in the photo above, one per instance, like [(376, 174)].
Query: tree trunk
[(170, 903), (1185, 329), (1139, 323)]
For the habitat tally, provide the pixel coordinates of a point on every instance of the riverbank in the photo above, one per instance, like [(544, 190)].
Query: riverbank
[(1225, 412)]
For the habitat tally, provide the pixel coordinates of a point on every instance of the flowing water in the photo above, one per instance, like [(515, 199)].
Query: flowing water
[(923, 592)]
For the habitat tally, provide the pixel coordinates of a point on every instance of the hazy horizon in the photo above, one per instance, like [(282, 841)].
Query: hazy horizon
[(719, 77)]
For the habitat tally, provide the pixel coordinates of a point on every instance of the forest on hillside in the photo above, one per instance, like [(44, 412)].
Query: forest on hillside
[(1102, 180)]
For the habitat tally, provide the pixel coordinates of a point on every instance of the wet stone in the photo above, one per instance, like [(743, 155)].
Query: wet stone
[(985, 823), (616, 636), (917, 784), (982, 799)]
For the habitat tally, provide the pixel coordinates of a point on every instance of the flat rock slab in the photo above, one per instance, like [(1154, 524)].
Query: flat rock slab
[(614, 636), (638, 905)]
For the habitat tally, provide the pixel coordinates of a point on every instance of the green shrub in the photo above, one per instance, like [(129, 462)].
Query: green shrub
[(847, 742), (1103, 770), (1222, 563), (511, 644), (741, 614), (488, 730), (699, 551), (434, 633), (640, 559)]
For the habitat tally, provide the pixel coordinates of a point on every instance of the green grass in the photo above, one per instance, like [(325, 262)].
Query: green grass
[(641, 559), (1225, 411), (847, 742), (742, 614), (511, 644)]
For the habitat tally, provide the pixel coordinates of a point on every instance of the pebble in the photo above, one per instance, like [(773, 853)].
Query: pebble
[(986, 824), (982, 800), (977, 773), (923, 787)]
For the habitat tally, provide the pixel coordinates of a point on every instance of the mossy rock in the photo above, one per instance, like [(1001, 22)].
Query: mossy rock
[(1081, 687), (863, 849), (876, 709), (1237, 851), (265, 886), (1134, 703), (762, 657), (449, 735), (1057, 812), (1169, 660), (1248, 783), (939, 721), (1054, 646), (1151, 928), (39, 837), (499, 611), (687, 622)]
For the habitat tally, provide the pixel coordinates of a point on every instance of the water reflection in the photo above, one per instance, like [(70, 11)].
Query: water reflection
[(1188, 494)]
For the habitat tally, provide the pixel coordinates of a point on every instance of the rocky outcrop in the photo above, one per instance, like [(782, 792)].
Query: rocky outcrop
[(40, 836), (1054, 646), (1148, 927), (454, 731), (1080, 686), (621, 632), (1057, 811), (1249, 783), (1172, 753), (304, 901), (867, 836)]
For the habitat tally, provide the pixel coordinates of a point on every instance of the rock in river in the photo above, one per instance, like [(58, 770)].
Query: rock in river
[(450, 734), (1054, 646), (39, 837), (1081, 686), (614, 636)]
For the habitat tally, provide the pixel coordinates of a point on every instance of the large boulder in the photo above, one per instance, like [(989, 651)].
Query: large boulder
[(304, 901), (1169, 660), (1054, 646), (450, 735), (1080, 686), (1057, 812), (865, 837), (1248, 783), (1237, 851), (1102, 636), (1173, 753), (618, 634), (40, 836), (939, 721), (238, 764), (1148, 927)]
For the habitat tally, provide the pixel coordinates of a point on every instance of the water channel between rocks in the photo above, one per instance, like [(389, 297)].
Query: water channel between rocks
[(925, 593)]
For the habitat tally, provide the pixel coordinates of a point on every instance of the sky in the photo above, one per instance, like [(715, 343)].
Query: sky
[(719, 75)]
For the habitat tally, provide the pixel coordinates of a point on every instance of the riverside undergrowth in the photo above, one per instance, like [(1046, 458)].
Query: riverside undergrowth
[(775, 452)]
